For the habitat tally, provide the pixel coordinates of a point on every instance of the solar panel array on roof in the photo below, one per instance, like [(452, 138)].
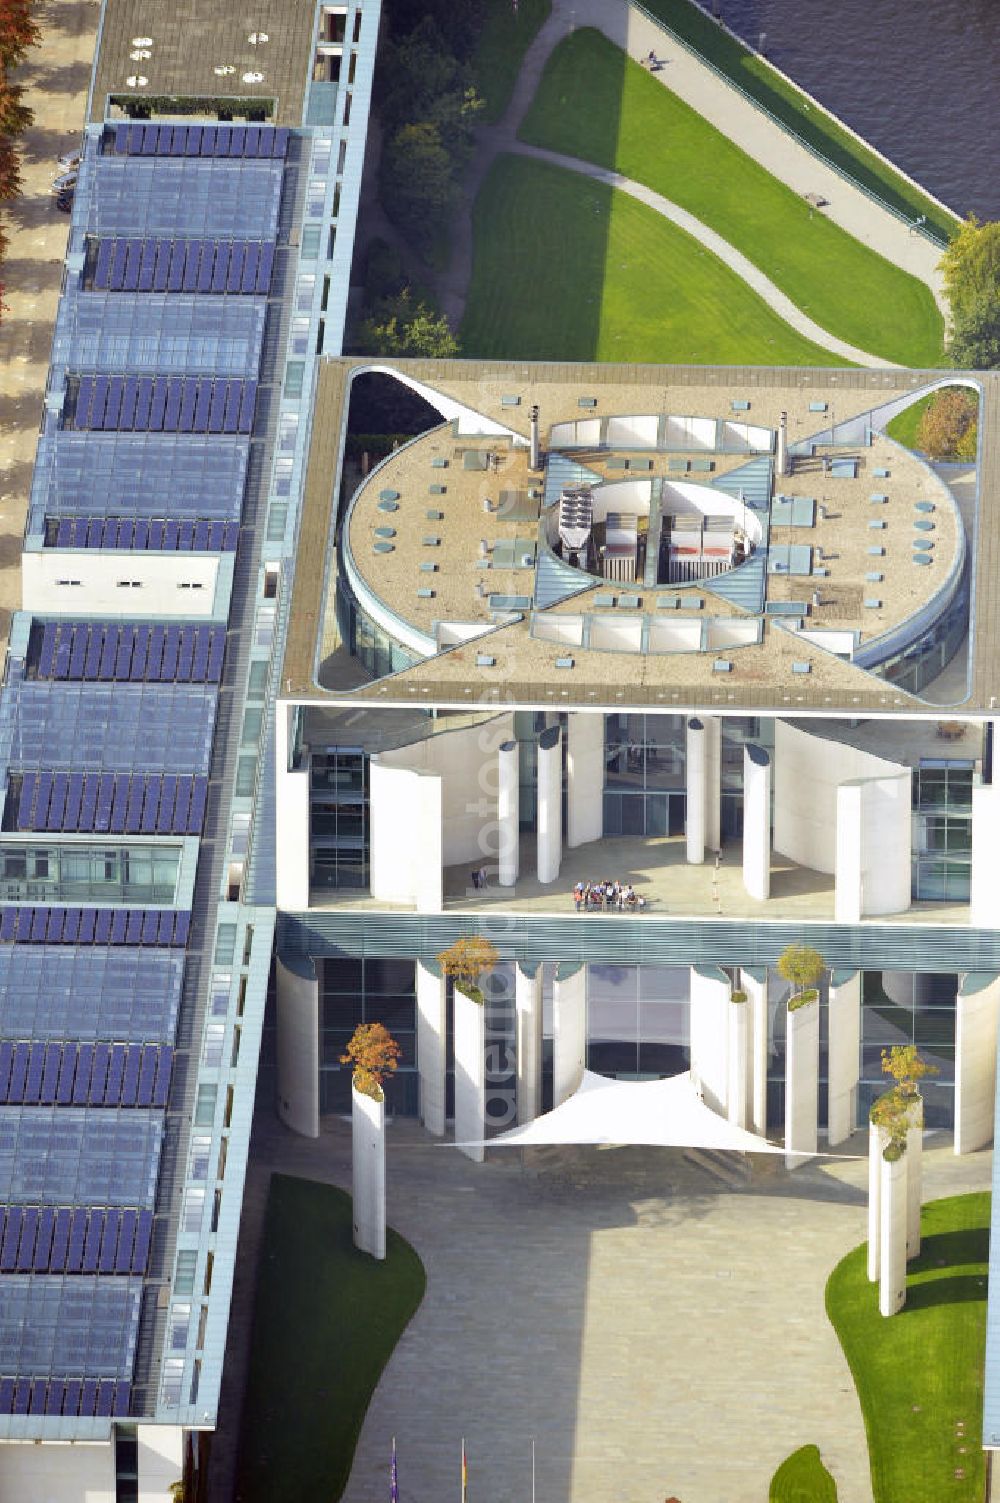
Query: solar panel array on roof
[(196, 140), (33, 1073), (53, 1325), (138, 535), (59, 993), (59, 924), (81, 650), (94, 474), (192, 266), (52, 1155), (192, 404), (108, 803), (106, 727), (76, 1240), (76, 1397)]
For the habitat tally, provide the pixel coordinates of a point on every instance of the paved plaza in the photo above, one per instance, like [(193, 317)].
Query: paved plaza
[(656, 1333)]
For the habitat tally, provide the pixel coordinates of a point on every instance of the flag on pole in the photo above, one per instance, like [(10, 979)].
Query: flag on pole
[(393, 1476), (465, 1474)]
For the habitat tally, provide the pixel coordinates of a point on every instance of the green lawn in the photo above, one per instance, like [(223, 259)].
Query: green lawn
[(502, 44), (595, 103), (781, 98), (802, 1478), (920, 1373), (326, 1320), (568, 269), (903, 427)]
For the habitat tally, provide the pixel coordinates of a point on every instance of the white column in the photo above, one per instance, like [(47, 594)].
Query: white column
[(739, 1085), (756, 821), (892, 1235), (696, 773), (528, 1013), (753, 980), (843, 1055), (874, 838), (713, 781), (984, 898), (913, 1158), (406, 847), (569, 1031), (801, 1082), (297, 1018), (975, 1060), (428, 848), (291, 818), (508, 814), (878, 1138), (709, 1034), (368, 1172), (432, 1042), (470, 1075), (584, 778), (549, 813), (159, 1463)]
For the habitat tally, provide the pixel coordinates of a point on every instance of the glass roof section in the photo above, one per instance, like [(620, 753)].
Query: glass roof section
[(52, 992), (154, 332), (137, 475), (198, 198), (78, 1155), (68, 1326), (86, 727)]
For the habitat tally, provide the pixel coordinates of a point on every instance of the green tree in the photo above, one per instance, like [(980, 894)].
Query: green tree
[(417, 183), (947, 429), (406, 326), (893, 1109), (18, 31), (975, 336), (416, 72), (802, 966), (467, 961), (971, 265)]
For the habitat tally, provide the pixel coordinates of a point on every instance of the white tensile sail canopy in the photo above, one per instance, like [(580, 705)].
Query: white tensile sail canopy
[(661, 1113)]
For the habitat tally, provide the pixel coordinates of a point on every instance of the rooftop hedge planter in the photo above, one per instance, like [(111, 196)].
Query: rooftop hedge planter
[(803, 999), (467, 961), (737, 996)]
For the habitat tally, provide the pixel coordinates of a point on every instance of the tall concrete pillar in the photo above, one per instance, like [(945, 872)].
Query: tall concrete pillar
[(844, 1055), (892, 1234), (508, 813), (368, 1172), (713, 781), (696, 747), (801, 1082), (756, 821), (432, 1043), (709, 1035), (977, 1008), (874, 840), (984, 895), (298, 1056), (470, 1075), (549, 811), (739, 1093), (878, 1139), (569, 1031), (753, 980), (913, 1159), (528, 1013), (584, 778)]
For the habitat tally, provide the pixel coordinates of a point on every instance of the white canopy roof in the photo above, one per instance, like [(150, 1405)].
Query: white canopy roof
[(664, 1113)]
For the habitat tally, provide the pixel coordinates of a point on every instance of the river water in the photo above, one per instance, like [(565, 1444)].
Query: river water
[(917, 78)]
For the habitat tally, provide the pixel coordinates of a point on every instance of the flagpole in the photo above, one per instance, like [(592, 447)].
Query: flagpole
[(532, 1469)]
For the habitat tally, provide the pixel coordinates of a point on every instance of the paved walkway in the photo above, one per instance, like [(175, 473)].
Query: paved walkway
[(655, 1333), (695, 83), (55, 76)]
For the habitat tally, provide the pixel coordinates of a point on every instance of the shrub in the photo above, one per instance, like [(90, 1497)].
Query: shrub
[(467, 960), (374, 1054)]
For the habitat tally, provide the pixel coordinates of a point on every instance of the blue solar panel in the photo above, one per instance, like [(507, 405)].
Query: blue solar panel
[(247, 404), (202, 646), (158, 405), (116, 1071), (116, 275), (231, 418), (234, 270), (92, 1243), (177, 270), (133, 926), (265, 267), (206, 267), (147, 1077), (140, 533), (130, 281), (130, 1079), (220, 268), (26, 1246), (33, 1083), (200, 538), (95, 643), (189, 403), (116, 388), (105, 799), (161, 1090), (47, 651), (99, 1075), (185, 534), (26, 801), (106, 668), (67, 1069), (280, 148), (119, 804), (251, 260), (106, 1256), (71, 1398), (77, 1237), (88, 920), (191, 252), (74, 798), (165, 812), (130, 392), (123, 659), (54, 1398), (39, 924), (144, 1232), (126, 1242), (171, 537), (95, 534), (196, 813), (43, 1241), (148, 822), (147, 264), (119, 924), (11, 1237), (64, 647), (102, 926), (161, 268), (194, 140), (203, 402), (19, 1072), (6, 1060), (150, 927), (54, 926), (79, 652), (102, 268), (143, 405), (6, 1395), (88, 803), (168, 670)]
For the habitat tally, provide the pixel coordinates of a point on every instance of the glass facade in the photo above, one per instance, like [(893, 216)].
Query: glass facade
[(338, 818), (637, 1020), (928, 655), (354, 991), (942, 829), (88, 873)]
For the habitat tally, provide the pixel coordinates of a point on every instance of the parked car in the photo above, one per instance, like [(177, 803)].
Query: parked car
[(69, 161), (65, 183), (64, 203)]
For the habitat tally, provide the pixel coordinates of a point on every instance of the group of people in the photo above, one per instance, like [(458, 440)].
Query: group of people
[(607, 895)]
